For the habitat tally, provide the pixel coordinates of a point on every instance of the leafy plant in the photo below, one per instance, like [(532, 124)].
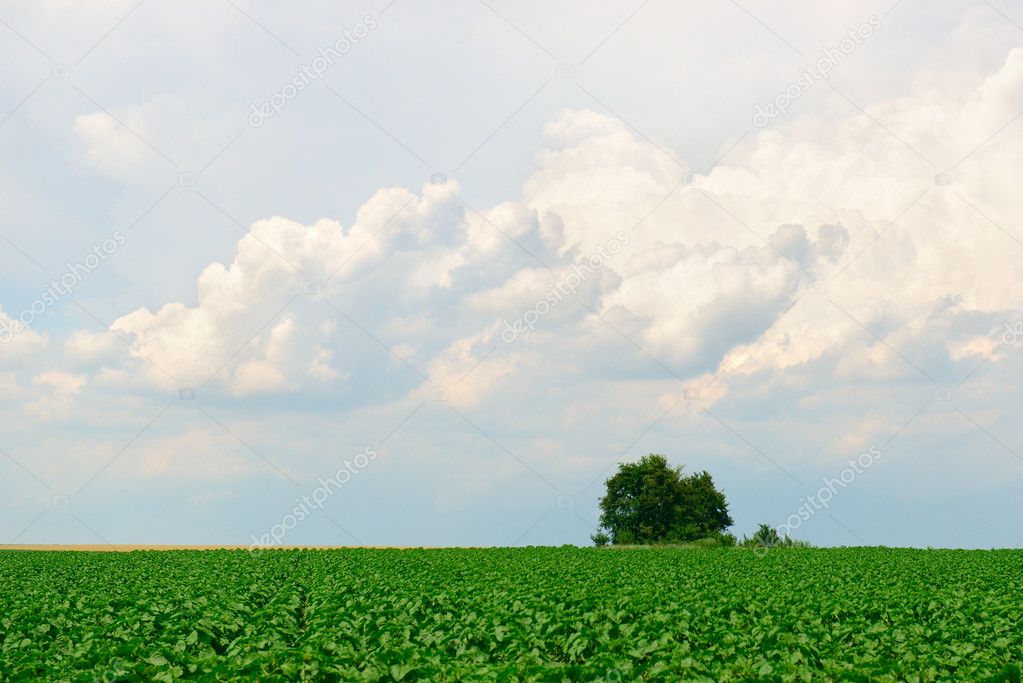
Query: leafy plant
[(526, 614)]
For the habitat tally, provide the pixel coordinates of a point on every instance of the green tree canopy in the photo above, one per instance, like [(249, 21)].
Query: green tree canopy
[(652, 502)]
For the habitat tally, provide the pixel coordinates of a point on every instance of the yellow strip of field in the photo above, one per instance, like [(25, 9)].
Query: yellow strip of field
[(127, 547)]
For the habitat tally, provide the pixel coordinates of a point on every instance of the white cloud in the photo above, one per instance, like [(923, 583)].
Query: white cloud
[(55, 394), (265, 372), (723, 271), (204, 454), (89, 347), (320, 367), (17, 342), (112, 146)]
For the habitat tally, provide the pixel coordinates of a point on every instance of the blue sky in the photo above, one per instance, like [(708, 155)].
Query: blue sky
[(504, 246)]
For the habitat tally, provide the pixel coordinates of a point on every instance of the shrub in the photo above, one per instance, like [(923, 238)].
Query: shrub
[(767, 536)]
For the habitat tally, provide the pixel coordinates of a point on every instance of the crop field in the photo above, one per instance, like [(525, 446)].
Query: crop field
[(530, 614)]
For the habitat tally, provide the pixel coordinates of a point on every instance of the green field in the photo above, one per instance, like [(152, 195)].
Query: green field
[(536, 614)]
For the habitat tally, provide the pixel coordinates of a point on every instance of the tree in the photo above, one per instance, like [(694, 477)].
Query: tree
[(651, 502)]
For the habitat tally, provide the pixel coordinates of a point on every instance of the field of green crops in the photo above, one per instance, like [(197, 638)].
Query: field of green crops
[(531, 614)]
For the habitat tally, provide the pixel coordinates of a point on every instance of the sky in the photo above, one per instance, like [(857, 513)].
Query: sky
[(386, 273)]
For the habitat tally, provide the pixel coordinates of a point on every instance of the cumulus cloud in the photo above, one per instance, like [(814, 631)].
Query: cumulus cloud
[(195, 454), (698, 301), (189, 344), (55, 394), (18, 342), (88, 347), (110, 145), (800, 246), (919, 237)]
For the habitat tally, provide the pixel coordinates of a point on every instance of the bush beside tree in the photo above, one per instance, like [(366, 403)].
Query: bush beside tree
[(767, 536)]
